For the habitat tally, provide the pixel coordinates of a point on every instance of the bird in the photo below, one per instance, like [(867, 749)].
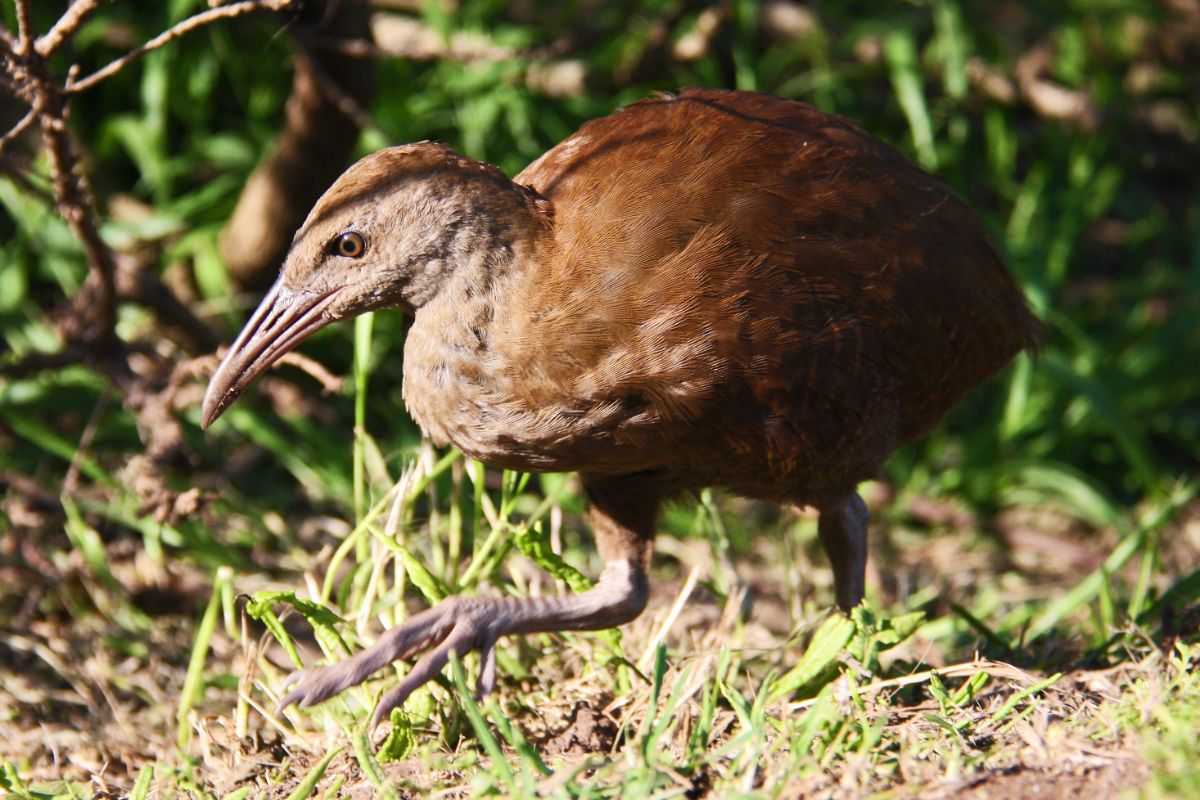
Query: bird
[(712, 288)]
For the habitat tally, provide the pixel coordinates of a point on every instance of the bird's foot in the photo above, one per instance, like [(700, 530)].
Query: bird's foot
[(462, 624), (456, 625)]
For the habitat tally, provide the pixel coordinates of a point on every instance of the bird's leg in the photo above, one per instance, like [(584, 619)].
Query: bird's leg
[(843, 532), (622, 513)]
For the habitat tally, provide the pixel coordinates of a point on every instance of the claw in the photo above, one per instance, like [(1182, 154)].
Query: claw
[(457, 625), (486, 683), (462, 640), (462, 624), (300, 695), (315, 684), (292, 677)]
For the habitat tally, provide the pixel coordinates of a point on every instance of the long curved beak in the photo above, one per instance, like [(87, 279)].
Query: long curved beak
[(284, 318)]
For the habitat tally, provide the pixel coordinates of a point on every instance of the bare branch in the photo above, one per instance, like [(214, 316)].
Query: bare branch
[(27, 120), (74, 198), (404, 37), (396, 36), (472, 48), (24, 29), (37, 362), (176, 31), (66, 26), (330, 383), (1049, 98)]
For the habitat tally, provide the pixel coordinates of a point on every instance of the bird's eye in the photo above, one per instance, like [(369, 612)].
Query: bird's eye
[(350, 244)]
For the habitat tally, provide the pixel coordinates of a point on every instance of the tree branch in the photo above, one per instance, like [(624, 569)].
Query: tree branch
[(400, 36), (66, 26), (24, 31), (25, 121), (74, 198), (176, 31)]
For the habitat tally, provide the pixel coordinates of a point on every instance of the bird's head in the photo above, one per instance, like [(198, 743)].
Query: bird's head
[(390, 232)]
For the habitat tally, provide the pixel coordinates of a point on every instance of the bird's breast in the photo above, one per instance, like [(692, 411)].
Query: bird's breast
[(467, 402), (463, 389)]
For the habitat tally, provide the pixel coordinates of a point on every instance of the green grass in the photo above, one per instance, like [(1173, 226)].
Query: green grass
[(1033, 610)]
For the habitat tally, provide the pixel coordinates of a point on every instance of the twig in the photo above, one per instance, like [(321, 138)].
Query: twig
[(74, 197), (34, 83), (24, 31), (397, 36), (1048, 98), (35, 363), (417, 50), (545, 71), (647, 659), (66, 26), (176, 31), (468, 48), (330, 383), (394, 36), (204, 366), (17, 129)]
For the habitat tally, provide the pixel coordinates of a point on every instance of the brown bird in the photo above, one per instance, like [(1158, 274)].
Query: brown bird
[(712, 289)]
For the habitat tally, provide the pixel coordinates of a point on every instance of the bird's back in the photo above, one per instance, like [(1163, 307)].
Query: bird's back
[(745, 276)]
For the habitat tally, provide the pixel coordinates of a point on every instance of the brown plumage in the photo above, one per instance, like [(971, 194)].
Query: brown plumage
[(716, 289)]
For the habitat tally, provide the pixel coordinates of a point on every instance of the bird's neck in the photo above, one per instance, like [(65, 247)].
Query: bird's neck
[(478, 265), (492, 236), (450, 353), (463, 295)]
